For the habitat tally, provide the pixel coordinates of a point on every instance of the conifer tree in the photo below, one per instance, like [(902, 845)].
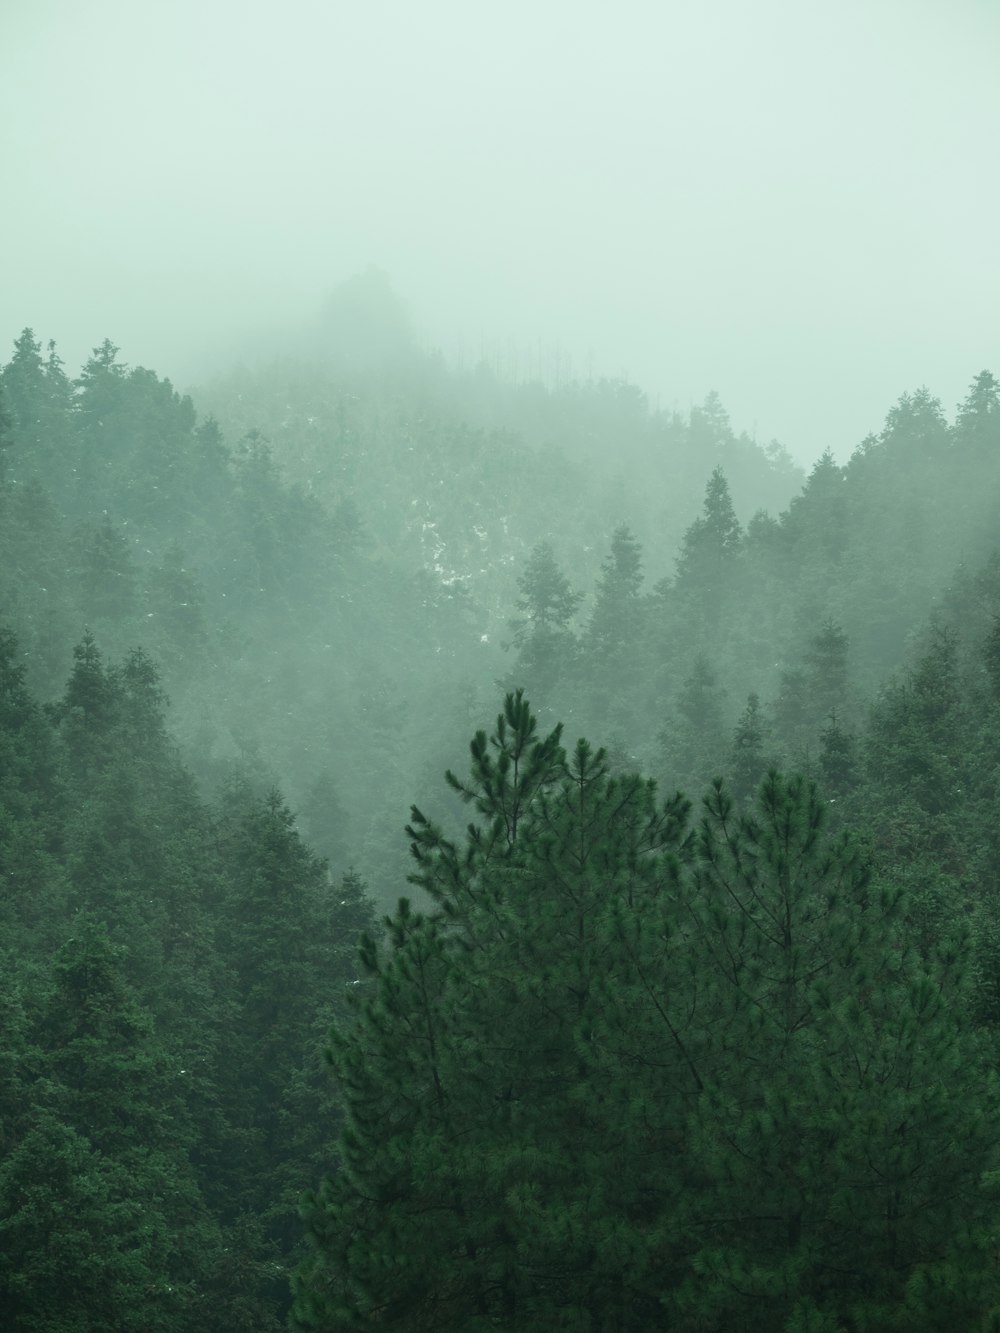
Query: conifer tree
[(286, 936), (978, 420), (107, 578), (541, 630), (838, 758), (469, 1074), (613, 625), (633, 1091), (749, 750), (815, 522), (30, 808), (103, 1224), (38, 397), (844, 1174), (712, 543), (5, 444), (694, 741), (827, 663)]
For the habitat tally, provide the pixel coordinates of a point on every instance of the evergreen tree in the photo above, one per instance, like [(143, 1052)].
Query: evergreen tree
[(844, 1173), (978, 419), (541, 631), (915, 742), (30, 808), (38, 400), (838, 758), (816, 522), (466, 1086), (916, 427), (633, 1090), (5, 445), (808, 695), (106, 574), (708, 426), (712, 543), (287, 937), (792, 712), (694, 742), (749, 751), (87, 709), (827, 662), (100, 390), (614, 621), (176, 602), (103, 1225)]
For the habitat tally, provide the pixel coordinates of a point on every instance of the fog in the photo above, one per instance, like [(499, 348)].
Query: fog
[(791, 203)]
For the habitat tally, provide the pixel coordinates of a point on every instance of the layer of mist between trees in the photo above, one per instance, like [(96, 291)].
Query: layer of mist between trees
[(245, 631)]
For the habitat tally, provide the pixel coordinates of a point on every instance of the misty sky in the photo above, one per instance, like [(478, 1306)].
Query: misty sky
[(794, 203)]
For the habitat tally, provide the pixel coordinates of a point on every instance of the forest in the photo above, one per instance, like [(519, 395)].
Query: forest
[(482, 853)]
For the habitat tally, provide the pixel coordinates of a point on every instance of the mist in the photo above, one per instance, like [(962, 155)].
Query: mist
[(784, 203), (499, 666)]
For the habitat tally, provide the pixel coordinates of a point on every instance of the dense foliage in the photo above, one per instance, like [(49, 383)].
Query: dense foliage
[(719, 1061), (642, 1075)]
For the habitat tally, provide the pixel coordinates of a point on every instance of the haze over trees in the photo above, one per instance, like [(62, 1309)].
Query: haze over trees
[(691, 1024)]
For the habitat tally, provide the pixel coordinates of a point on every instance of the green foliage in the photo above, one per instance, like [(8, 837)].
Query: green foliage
[(613, 621), (639, 1075), (713, 541), (749, 759), (541, 631), (207, 963), (101, 1217), (695, 740), (626, 1129)]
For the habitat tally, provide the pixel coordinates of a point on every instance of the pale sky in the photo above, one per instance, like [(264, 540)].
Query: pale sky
[(794, 203)]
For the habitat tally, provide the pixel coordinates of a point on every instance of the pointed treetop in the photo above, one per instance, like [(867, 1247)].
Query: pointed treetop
[(982, 403), (715, 537), (547, 601)]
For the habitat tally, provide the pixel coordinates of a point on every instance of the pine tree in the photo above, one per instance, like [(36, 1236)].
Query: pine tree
[(38, 400), (614, 621), (86, 711), (694, 741), (5, 445), (547, 602), (467, 1072), (541, 631), (917, 727), (750, 750), (30, 807), (816, 522), (712, 543), (100, 390), (286, 936), (633, 1091), (106, 576), (978, 420), (916, 427), (838, 758), (843, 1168), (102, 1221), (827, 660)]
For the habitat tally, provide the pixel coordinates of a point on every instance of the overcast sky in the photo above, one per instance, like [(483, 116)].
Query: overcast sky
[(794, 203)]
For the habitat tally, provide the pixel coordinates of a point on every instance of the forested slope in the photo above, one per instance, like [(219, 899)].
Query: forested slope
[(323, 579), (237, 648)]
